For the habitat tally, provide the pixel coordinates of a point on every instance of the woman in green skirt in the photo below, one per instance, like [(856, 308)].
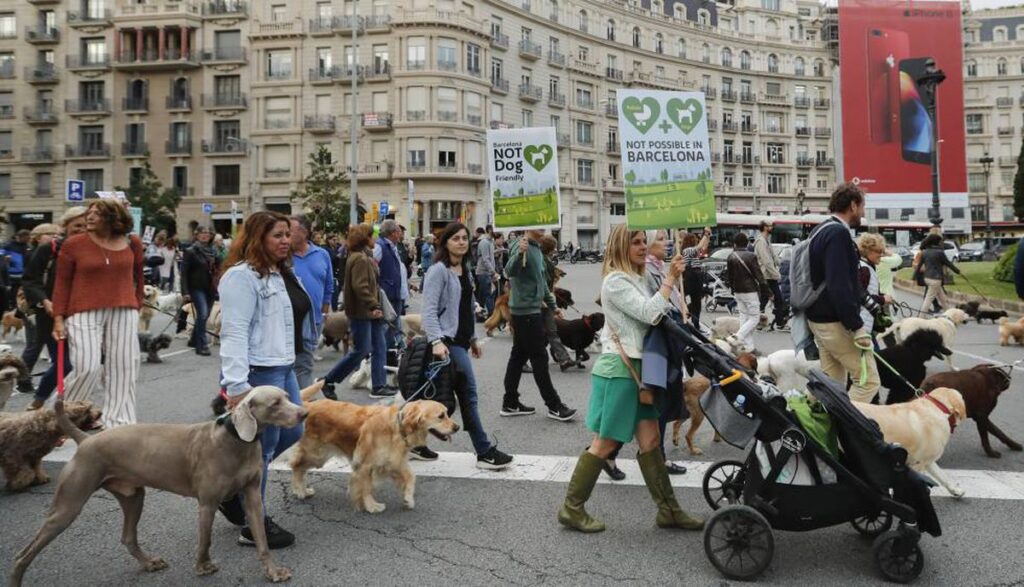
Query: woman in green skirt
[(616, 414)]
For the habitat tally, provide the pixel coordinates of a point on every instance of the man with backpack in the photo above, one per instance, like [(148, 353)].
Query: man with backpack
[(825, 291), (744, 276)]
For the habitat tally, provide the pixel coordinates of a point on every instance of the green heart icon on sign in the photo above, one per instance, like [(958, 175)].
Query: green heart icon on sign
[(685, 114), (538, 156), (642, 114)]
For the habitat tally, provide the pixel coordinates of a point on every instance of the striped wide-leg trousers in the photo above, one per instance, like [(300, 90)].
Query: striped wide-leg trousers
[(104, 345)]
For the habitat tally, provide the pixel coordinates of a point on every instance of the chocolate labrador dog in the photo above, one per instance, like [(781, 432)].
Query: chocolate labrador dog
[(980, 386), (210, 461)]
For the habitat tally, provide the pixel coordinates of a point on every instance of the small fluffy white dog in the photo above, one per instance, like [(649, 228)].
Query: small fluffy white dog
[(169, 302), (945, 324), (787, 368), (360, 378), (724, 326)]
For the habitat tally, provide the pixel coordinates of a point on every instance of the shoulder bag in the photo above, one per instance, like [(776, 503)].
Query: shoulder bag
[(645, 396)]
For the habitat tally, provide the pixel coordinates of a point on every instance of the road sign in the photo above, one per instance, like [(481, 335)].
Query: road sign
[(207, 208), (75, 191), (383, 209)]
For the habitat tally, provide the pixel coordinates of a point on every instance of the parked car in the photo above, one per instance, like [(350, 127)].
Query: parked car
[(976, 251), (950, 248), (715, 262), (906, 254)]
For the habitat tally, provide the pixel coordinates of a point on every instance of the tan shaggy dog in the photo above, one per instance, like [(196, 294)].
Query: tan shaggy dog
[(1011, 331), (375, 439), (923, 426), (11, 324), (27, 437), (693, 389)]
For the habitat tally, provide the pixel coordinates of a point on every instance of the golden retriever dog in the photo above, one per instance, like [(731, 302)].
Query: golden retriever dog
[(212, 322), (150, 297), (1011, 331), (693, 389), (375, 440), (945, 324), (501, 315), (11, 324), (923, 426)]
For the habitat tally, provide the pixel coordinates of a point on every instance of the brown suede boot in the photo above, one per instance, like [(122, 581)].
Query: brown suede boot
[(670, 515)]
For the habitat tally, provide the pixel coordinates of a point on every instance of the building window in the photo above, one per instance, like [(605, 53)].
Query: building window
[(976, 182), (704, 17), (705, 53), (1001, 67), (279, 64), (447, 110), (744, 60), (227, 44), (584, 132), (636, 36), (584, 171), (748, 180), (773, 63), (819, 68), (798, 66), (43, 181), (8, 26), (93, 179), (226, 179), (227, 87), (681, 47), (278, 112), (5, 185), (616, 209), (446, 54), (473, 58), (446, 154), (610, 30), (582, 23), (496, 70), (179, 180), (770, 4), (417, 153), (975, 124), (416, 53), (726, 57)]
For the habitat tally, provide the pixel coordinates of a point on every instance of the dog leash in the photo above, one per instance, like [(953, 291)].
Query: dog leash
[(918, 392), (60, 370), (977, 291), (174, 318), (433, 368)]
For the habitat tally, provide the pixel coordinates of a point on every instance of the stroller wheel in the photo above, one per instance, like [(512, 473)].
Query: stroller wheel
[(738, 541), (711, 306), (871, 526), (723, 483), (898, 556)]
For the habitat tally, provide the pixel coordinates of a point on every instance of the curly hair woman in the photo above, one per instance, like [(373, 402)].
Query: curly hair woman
[(615, 414), (97, 294)]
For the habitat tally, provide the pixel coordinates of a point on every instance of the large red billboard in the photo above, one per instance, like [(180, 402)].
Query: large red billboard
[(886, 131)]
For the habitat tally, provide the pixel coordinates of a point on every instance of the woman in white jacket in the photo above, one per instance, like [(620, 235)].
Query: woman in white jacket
[(615, 414)]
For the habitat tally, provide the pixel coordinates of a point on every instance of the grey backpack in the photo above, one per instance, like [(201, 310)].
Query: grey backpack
[(802, 293)]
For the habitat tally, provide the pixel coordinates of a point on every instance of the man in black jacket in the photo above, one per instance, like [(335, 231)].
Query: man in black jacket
[(834, 318), (744, 276)]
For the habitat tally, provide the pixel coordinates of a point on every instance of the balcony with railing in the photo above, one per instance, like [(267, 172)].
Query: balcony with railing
[(1004, 102), (38, 155), (804, 161), (530, 50), (377, 121), (277, 30), (87, 151), (90, 18), (377, 22), (822, 103), (7, 70), (222, 8), (584, 102), (474, 120), (498, 85), (415, 115), (499, 41), (802, 131), (225, 55), (178, 102), (556, 100), (1007, 161), (801, 101), (730, 126), (748, 97), (613, 74), (135, 104), (42, 34), (748, 129), (135, 149), (319, 123), (730, 158), (775, 159), (710, 93), (825, 162), (178, 147), (530, 93), (324, 75), (154, 60), (1005, 131), (822, 131), (88, 62), (345, 23), (379, 73), (447, 115), (99, 106), (776, 129), (728, 95), (612, 147), (583, 66), (556, 59), (232, 101), (41, 114), (42, 74), (775, 98), (226, 146)]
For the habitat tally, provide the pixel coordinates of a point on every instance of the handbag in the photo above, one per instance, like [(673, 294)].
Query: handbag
[(762, 286), (386, 308), (645, 396)]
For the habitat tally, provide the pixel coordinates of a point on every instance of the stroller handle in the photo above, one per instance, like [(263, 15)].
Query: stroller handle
[(736, 374)]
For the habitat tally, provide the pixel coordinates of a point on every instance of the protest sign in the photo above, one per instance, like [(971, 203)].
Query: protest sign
[(523, 169), (666, 160)]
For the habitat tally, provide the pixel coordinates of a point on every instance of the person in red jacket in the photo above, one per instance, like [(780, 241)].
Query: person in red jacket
[(96, 299)]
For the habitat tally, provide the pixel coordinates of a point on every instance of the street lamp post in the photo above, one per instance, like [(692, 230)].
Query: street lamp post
[(353, 209), (986, 164), (929, 85)]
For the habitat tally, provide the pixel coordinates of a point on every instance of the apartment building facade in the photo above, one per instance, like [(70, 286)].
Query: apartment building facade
[(228, 99)]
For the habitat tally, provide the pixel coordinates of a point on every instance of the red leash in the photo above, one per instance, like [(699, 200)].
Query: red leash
[(60, 369)]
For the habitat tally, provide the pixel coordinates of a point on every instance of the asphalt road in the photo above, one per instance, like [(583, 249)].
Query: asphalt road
[(492, 530)]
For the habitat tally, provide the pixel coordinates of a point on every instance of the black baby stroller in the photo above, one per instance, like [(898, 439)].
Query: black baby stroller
[(867, 484)]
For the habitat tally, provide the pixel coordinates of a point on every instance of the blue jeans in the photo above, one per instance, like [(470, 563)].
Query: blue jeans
[(48, 382), (368, 341), (201, 303), (466, 390), (275, 440), (484, 295)]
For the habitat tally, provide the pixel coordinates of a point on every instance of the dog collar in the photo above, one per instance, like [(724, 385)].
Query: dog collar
[(229, 426), (586, 322), (945, 410)]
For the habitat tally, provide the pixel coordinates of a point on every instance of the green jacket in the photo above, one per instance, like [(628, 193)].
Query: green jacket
[(530, 293)]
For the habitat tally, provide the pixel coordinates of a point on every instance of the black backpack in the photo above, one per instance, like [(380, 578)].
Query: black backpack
[(414, 379)]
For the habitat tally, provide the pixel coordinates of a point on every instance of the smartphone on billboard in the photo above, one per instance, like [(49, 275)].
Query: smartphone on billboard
[(915, 126), (885, 50)]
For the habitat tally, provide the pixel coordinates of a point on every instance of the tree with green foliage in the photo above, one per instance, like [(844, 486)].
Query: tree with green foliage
[(664, 175), (497, 193), (159, 204), (322, 195), (630, 177), (1018, 187), (1003, 270), (701, 188)]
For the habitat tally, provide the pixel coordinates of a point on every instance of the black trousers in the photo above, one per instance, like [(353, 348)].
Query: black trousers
[(778, 303), (693, 282), (528, 344)]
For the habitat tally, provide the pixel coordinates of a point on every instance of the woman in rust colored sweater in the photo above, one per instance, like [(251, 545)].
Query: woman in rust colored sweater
[(96, 299)]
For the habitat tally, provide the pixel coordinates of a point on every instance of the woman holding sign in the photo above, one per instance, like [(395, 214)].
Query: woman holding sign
[(616, 414)]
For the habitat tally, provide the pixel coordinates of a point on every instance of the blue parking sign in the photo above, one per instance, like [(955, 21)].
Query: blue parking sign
[(75, 190), (384, 209), (207, 208)]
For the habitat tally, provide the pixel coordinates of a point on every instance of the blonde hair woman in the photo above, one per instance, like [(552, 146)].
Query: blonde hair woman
[(616, 414), (871, 248)]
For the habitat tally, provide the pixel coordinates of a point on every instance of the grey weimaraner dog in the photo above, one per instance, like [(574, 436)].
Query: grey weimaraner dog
[(210, 461)]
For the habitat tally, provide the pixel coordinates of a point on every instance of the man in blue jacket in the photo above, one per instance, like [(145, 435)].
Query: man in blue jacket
[(834, 318), (316, 273)]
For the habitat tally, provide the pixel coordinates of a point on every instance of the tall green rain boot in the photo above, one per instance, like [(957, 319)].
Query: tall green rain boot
[(584, 477), (670, 515)]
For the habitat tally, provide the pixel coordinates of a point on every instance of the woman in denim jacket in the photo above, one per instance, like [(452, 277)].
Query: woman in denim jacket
[(266, 319), (449, 321)]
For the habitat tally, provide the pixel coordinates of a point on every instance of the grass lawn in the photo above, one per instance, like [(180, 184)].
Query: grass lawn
[(980, 274)]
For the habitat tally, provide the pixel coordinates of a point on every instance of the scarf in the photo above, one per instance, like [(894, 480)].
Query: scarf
[(206, 252)]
